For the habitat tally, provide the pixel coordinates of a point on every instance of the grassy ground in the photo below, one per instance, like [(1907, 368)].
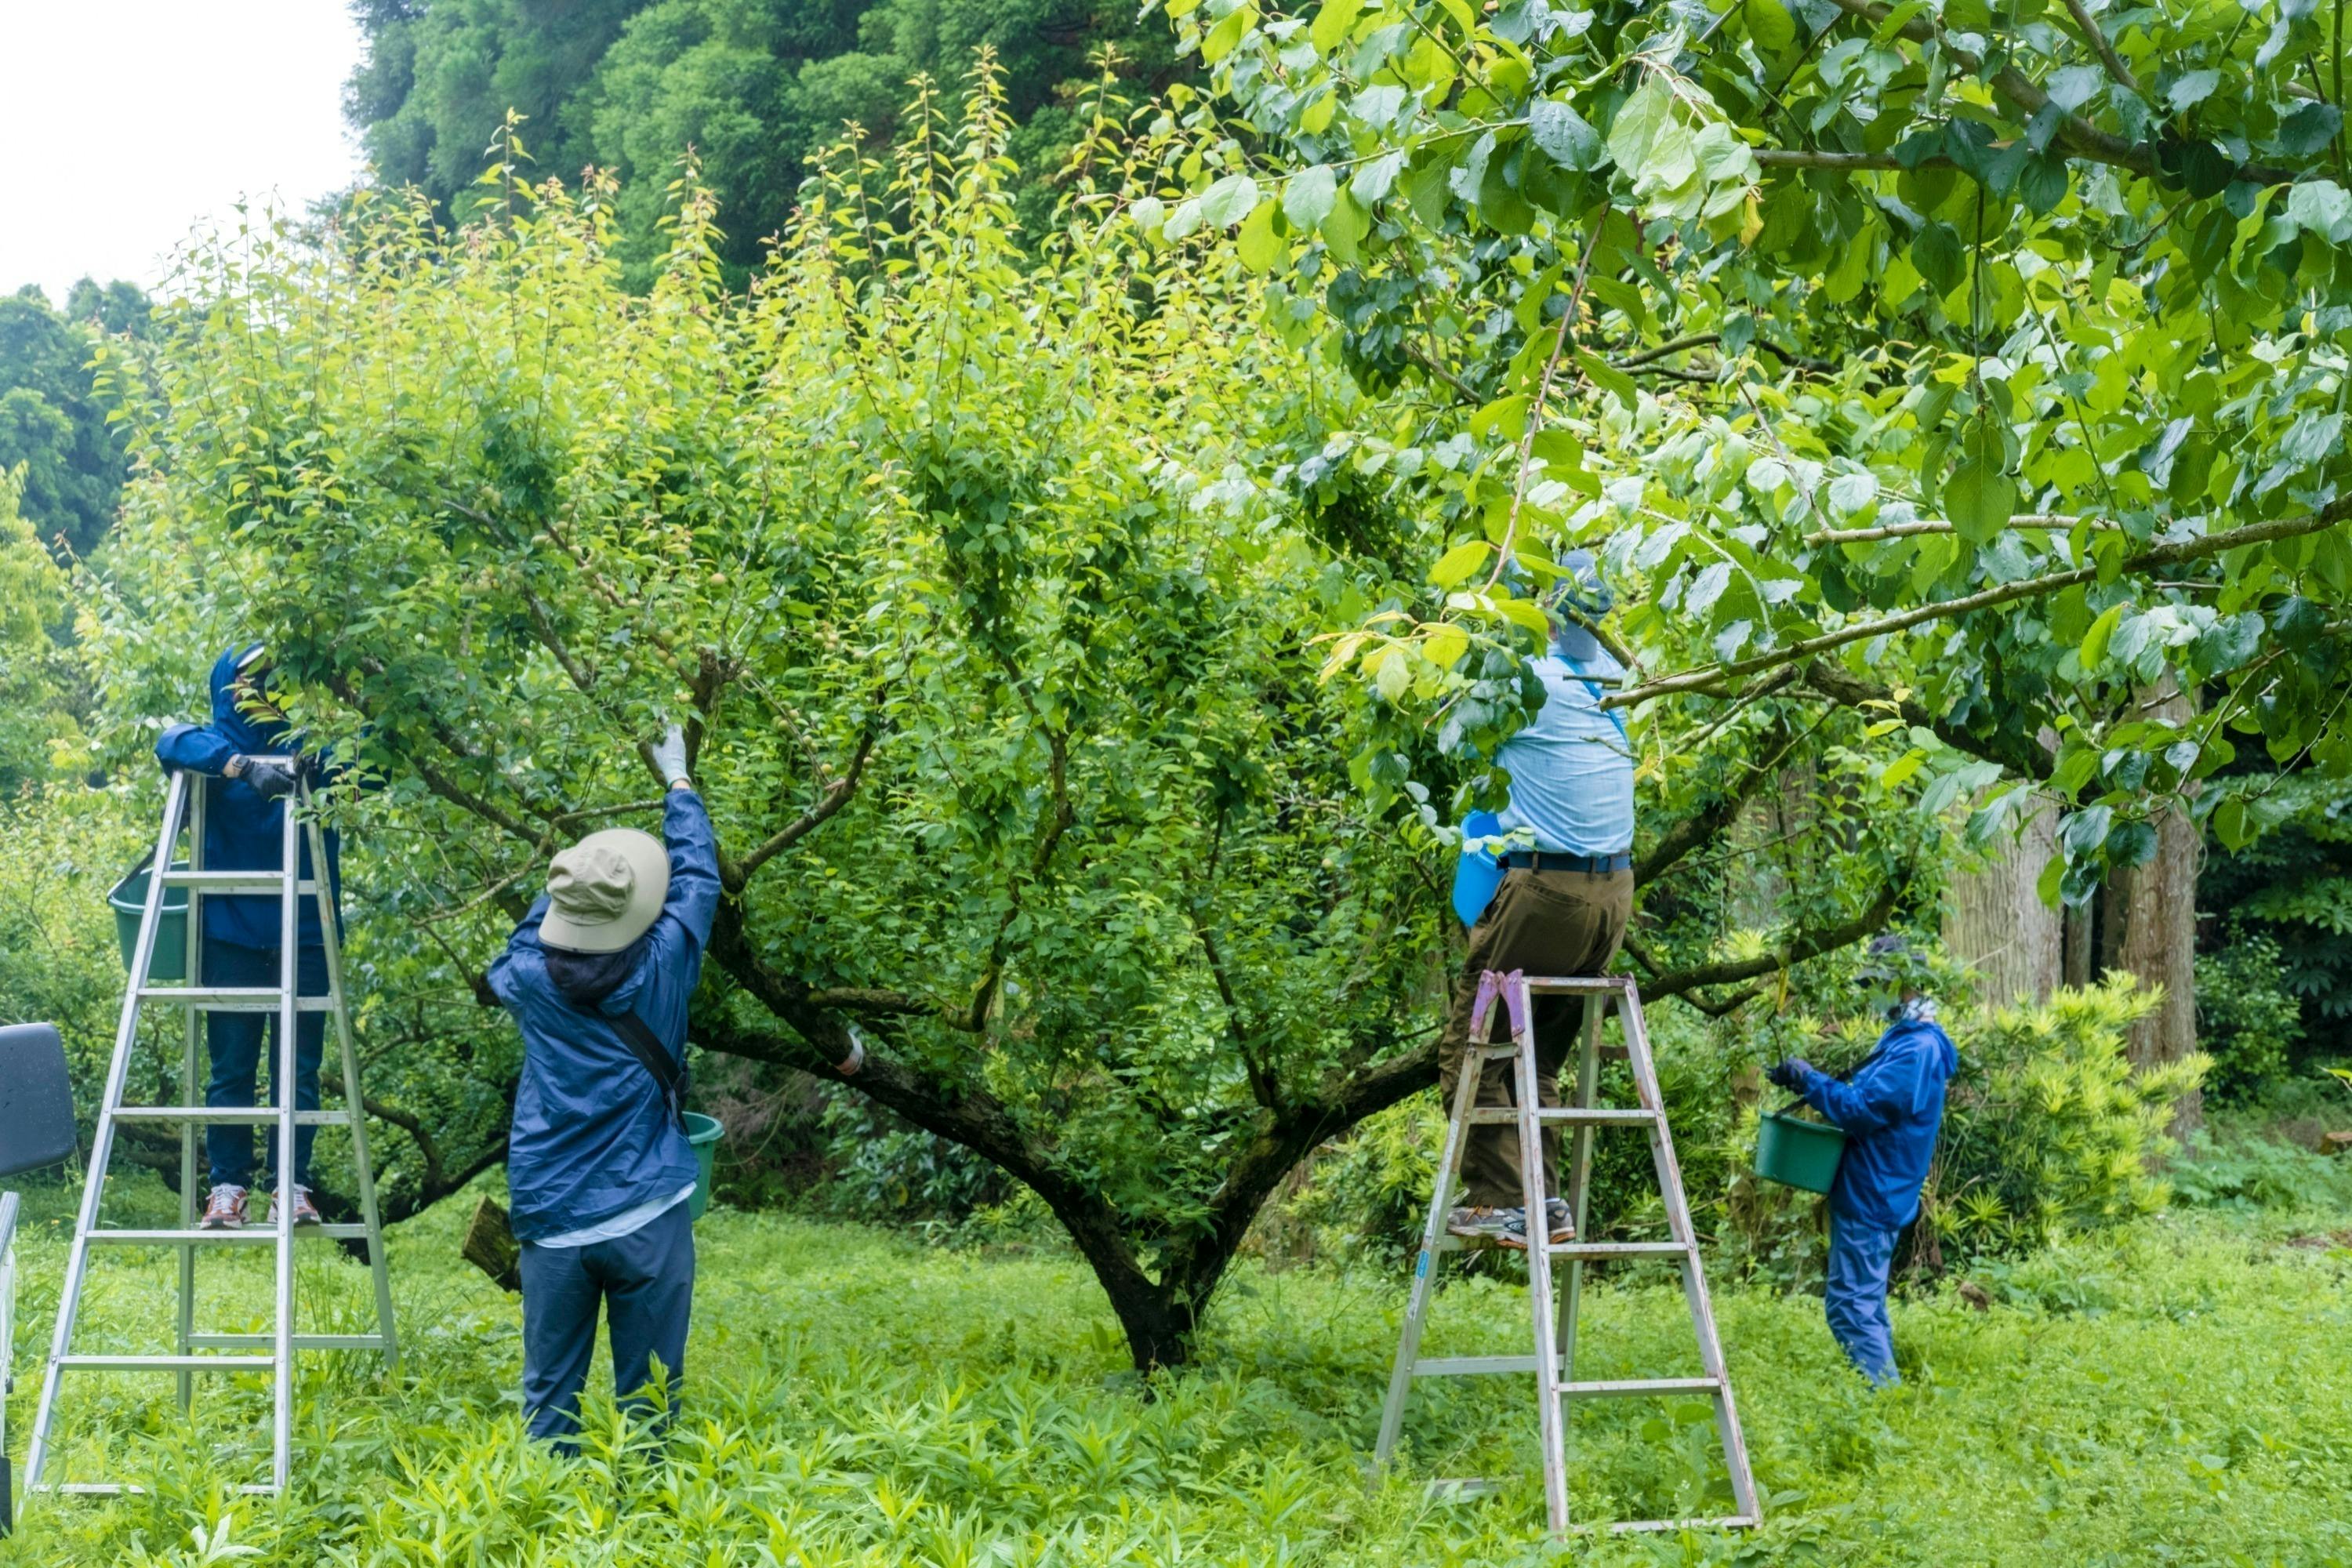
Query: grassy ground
[(2181, 1393)]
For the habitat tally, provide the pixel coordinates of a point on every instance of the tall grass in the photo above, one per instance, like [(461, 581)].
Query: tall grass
[(2179, 1393)]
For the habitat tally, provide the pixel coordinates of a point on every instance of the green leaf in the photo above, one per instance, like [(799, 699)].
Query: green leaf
[(1564, 136), (1333, 24), (2093, 652), (1453, 568), (1638, 125), (2232, 825), (1306, 199), (2193, 89), (2309, 129), (1261, 249), (1898, 771), (1505, 416), (1228, 201), (1226, 35), (1980, 499), (1770, 24), (1936, 252)]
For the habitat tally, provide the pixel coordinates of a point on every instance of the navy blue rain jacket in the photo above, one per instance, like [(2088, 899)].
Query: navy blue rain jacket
[(1890, 1109), (243, 830), (592, 1136)]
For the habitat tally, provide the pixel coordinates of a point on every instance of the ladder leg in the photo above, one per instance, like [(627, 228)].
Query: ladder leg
[(1424, 1267), (1539, 1232), (290, 953), (191, 1025), (341, 1012), (1580, 1177), (101, 1147), (1678, 1222)]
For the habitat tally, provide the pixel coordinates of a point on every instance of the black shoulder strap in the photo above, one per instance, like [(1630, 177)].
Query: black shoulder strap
[(639, 1037)]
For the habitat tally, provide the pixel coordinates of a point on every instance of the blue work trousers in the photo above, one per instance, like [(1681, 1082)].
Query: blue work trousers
[(234, 1042), (643, 1281), (1860, 1258)]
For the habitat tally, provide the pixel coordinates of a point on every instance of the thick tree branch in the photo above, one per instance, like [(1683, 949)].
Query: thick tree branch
[(2078, 135), (2017, 753), (1800, 946), (830, 801), (1712, 678)]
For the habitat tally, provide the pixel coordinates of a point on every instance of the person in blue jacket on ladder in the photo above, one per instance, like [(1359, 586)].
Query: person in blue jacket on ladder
[(598, 976), (1890, 1109), (244, 814)]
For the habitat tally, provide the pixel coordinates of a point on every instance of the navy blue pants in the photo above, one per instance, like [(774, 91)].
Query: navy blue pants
[(1860, 1258), (233, 1040), (644, 1282)]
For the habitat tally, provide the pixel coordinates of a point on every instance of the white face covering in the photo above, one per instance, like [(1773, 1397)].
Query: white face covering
[(1916, 1010)]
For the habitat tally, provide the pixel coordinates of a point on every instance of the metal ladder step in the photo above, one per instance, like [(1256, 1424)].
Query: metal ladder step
[(170, 1362), (233, 998), (301, 1342), (253, 1115), (238, 882), (255, 1234), (1579, 1116)]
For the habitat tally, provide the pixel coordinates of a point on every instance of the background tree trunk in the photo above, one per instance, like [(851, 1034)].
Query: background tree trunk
[(1995, 923), (2151, 932)]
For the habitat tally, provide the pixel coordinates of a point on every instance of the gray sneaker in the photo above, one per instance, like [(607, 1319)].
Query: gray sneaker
[(1559, 1225), (1482, 1225)]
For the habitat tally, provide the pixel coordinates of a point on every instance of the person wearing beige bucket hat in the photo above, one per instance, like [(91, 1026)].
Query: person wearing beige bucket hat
[(597, 977)]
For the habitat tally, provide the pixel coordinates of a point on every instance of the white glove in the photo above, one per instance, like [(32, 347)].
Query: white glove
[(670, 757)]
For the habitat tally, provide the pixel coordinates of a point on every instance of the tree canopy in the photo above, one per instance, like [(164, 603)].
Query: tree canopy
[(1983, 366)]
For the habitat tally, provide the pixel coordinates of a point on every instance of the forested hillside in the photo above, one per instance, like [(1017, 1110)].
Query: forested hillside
[(754, 87)]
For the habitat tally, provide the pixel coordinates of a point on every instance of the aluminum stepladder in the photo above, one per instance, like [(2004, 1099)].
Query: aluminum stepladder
[(1554, 1360), (198, 1352)]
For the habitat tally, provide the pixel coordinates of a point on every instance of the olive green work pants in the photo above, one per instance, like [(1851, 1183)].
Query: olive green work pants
[(1544, 922)]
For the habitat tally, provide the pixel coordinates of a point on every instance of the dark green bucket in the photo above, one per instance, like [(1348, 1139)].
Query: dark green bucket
[(1796, 1153), (128, 899), (702, 1133)]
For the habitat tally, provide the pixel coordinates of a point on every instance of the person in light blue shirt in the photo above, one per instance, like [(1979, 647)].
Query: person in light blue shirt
[(1558, 906)]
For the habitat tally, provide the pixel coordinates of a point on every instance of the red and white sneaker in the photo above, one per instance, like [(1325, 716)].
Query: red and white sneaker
[(223, 1208), (305, 1211)]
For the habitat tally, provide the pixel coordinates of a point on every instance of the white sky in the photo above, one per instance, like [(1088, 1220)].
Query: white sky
[(123, 122)]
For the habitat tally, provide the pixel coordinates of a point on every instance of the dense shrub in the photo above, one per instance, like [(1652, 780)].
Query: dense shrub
[(2049, 1131), (2248, 1019)]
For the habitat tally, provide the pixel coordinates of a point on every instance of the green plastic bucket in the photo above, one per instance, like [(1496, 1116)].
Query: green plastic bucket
[(1796, 1153), (130, 901), (702, 1133)]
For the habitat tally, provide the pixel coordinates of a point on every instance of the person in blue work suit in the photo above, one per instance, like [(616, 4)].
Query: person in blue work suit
[(597, 976), (1559, 909), (242, 755), (1890, 1109)]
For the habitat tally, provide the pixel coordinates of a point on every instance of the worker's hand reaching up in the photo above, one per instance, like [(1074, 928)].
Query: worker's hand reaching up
[(670, 758), (1789, 1074)]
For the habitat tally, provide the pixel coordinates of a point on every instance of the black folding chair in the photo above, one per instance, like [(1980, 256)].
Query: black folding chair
[(37, 1129)]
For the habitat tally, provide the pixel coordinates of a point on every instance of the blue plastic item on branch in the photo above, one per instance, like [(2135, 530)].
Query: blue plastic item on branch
[(1477, 874)]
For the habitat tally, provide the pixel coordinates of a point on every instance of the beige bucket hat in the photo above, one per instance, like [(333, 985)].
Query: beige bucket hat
[(605, 891)]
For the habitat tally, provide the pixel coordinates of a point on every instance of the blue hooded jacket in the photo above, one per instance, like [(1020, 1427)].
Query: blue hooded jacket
[(243, 829), (592, 1136), (1890, 1109)]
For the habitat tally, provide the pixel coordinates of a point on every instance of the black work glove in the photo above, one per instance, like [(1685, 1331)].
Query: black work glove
[(1790, 1073), (270, 777)]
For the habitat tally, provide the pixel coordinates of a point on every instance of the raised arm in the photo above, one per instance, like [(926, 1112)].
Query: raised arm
[(195, 748)]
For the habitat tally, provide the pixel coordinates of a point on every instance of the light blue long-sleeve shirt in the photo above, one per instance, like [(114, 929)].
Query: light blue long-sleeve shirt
[(1572, 769)]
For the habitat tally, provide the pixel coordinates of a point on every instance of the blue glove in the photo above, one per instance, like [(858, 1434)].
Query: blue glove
[(1789, 1074), (670, 758)]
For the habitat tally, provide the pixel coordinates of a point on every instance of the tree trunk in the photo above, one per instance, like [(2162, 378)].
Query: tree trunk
[(2151, 917), (1995, 923), (2078, 922)]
